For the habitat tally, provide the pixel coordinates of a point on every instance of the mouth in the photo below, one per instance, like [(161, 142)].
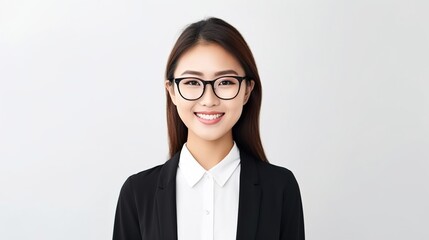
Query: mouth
[(209, 116)]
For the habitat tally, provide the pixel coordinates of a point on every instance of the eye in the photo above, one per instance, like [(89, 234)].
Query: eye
[(227, 81), (191, 82)]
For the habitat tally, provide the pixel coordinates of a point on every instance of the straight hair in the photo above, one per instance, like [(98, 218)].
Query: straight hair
[(246, 131)]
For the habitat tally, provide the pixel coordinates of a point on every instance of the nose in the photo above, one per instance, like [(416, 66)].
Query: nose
[(209, 98)]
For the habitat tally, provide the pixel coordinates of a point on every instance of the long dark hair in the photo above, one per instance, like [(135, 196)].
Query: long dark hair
[(246, 131)]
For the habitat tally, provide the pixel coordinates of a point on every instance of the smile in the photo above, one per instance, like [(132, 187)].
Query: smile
[(209, 116)]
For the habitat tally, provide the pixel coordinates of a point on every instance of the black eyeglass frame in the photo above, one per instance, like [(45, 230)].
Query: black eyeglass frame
[(211, 82)]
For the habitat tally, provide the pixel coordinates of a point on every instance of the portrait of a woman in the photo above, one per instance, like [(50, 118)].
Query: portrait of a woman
[(218, 183)]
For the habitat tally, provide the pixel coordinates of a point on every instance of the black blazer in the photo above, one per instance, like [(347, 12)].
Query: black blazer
[(269, 203)]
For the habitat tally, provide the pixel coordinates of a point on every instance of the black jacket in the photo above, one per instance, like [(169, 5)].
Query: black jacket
[(269, 203)]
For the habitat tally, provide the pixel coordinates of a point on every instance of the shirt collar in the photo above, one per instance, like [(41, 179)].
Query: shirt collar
[(221, 172)]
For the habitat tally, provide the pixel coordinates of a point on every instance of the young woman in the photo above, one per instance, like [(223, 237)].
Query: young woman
[(218, 184)]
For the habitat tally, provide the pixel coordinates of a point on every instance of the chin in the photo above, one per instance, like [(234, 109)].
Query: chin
[(210, 136)]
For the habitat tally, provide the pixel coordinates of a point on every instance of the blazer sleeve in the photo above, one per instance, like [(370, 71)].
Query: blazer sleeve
[(126, 226), (292, 215)]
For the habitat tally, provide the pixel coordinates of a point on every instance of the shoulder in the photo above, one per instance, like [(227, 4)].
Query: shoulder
[(277, 175), (265, 173), (148, 176), (142, 181), (147, 181)]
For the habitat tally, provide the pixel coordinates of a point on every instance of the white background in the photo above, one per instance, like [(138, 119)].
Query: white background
[(345, 107)]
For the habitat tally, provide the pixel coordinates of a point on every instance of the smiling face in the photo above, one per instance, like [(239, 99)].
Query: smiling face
[(209, 118)]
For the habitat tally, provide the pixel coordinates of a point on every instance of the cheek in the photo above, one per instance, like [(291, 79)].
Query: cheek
[(184, 109), (236, 110)]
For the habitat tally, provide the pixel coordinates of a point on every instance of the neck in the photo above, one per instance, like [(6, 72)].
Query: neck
[(209, 153)]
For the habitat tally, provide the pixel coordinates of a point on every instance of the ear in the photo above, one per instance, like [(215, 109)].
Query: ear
[(249, 89), (169, 86)]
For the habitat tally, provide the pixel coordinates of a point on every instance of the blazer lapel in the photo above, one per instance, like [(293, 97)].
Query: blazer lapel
[(166, 199), (249, 198)]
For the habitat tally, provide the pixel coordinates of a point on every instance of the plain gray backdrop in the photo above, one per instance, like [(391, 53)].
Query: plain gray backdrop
[(345, 107)]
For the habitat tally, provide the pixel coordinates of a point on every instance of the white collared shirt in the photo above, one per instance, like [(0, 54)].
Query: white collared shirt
[(207, 201)]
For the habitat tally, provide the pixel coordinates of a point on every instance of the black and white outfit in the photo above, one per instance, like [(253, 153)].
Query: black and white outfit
[(240, 198)]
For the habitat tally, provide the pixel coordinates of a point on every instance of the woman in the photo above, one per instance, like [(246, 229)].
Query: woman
[(218, 183)]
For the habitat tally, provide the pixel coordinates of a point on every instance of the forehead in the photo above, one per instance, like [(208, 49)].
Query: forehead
[(207, 58)]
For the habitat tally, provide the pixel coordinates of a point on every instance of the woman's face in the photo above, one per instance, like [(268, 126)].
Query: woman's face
[(209, 118)]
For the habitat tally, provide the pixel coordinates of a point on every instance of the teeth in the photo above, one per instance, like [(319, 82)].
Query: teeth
[(209, 116)]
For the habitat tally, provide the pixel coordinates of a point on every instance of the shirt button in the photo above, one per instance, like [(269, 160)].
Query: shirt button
[(207, 212)]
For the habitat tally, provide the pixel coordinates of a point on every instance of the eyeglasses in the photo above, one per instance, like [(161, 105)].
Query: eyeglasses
[(225, 87)]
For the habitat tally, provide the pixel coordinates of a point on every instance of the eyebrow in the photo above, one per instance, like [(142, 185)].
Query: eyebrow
[(220, 73)]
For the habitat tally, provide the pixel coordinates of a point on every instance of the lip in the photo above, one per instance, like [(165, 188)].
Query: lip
[(213, 119)]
